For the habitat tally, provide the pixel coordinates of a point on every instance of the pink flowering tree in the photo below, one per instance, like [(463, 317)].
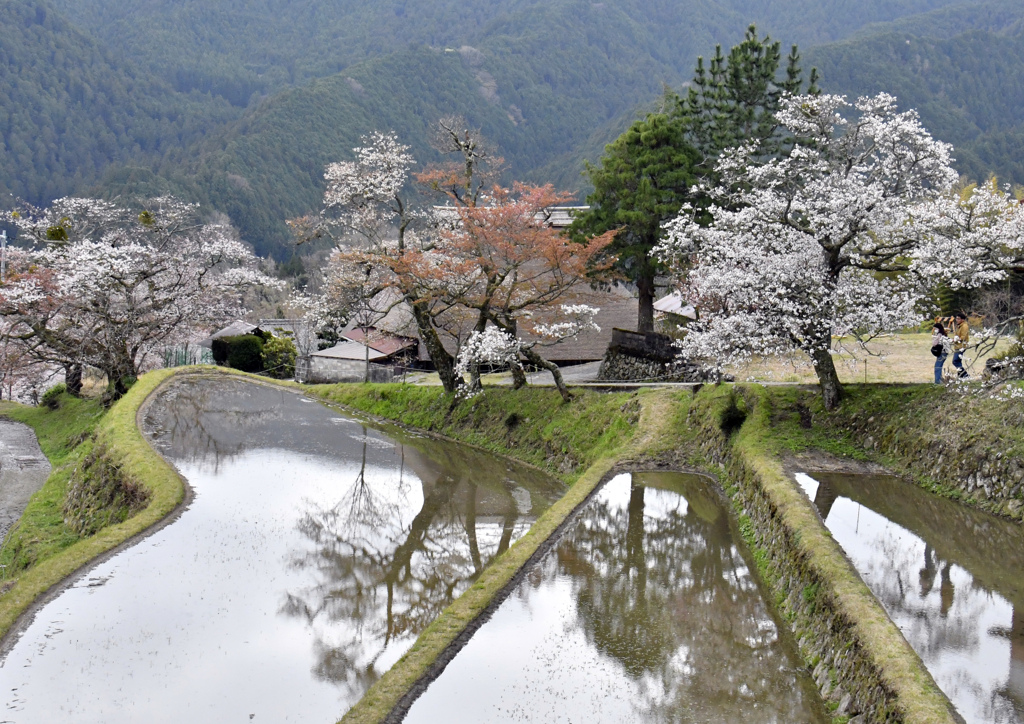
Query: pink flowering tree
[(817, 244), (108, 287), (490, 257)]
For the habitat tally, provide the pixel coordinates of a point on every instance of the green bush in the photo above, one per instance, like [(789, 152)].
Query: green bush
[(245, 352), (279, 355), (51, 398), (219, 348)]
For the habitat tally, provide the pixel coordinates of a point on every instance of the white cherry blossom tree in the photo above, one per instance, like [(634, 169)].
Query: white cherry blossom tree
[(380, 236), (818, 243), (972, 238), (501, 345), (108, 286)]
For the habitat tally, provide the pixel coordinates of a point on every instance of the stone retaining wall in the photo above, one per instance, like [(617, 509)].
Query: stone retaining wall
[(863, 667), (928, 445)]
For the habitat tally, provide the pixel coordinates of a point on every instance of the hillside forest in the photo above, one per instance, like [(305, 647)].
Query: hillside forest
[(240, 105)]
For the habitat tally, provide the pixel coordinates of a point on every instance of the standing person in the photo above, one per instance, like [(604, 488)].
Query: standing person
[(961, 335), (940, 348)]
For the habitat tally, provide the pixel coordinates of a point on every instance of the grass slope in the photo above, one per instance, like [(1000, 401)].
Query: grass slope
[(938, 437), (63, 436), (57, 552), (736, 427), (532, 424)]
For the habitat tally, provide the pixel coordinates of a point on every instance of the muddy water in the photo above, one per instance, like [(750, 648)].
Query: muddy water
[(315, 551), (645, 611), (23, 470), (950, 577)]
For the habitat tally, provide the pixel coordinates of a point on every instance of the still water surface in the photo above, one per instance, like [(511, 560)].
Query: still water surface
[(314, 553), (645, 611), (951, 578)]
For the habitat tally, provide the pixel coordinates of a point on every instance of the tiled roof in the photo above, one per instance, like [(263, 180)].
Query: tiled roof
[(618, 309), (387, 344)]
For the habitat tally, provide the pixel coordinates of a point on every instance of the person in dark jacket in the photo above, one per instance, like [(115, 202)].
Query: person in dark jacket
[(941, 346), (961, 335)]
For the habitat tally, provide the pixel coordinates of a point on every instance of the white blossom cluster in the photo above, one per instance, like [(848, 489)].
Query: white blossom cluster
[(814, 244), (363, 192), (970, 239), (107, 286), (1008, 393), (579, 318), (492, 346)]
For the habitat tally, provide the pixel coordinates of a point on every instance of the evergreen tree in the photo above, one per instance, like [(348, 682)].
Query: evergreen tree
[(642, 181), (735, 99)]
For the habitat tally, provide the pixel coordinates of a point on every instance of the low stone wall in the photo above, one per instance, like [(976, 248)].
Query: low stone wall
[(938, 440), (862, 665), (329, 370), (621, 367)]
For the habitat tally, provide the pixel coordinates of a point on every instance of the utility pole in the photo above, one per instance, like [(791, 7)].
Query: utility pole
[(3, 255)]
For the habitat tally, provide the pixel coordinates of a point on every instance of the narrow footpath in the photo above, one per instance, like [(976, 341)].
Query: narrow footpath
[(23, 470)]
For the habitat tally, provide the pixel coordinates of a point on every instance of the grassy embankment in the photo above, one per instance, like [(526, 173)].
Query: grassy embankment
[(103, 457), (964, 444), (837, 620)]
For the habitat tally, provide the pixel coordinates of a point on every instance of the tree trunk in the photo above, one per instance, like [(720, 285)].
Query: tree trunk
[(518, 376), (120, 375), (828, 378), (73, 379), (551, 367), (645, 313), (444, 363), (474, 371), (635, 562)]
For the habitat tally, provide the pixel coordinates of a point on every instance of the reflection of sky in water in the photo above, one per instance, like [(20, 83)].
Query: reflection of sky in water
[(957, 628), (542, 658), (275, 597)]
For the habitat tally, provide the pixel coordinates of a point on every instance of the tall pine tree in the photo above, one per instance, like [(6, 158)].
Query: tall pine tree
[(643, 179), (734, 100)]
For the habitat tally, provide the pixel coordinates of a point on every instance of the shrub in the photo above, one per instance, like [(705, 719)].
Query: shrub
[(51, 398), (245, 352), (100, 494), (279, 355), (219, 347)]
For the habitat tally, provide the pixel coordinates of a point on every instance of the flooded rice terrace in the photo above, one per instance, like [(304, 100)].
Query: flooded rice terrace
[(314, 553), (951, 578), (644, 611)]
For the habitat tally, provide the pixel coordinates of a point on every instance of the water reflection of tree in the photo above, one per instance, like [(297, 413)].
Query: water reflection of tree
[(925, 543), (387, 580), (670, 597), (210, 421)]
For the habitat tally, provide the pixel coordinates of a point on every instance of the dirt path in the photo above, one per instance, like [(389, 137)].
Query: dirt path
[(23, 470)]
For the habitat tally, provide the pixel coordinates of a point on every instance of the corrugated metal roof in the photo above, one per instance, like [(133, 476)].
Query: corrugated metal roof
[(349, 350), (674, 304)]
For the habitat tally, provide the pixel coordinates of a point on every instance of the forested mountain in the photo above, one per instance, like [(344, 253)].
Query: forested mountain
[(961, 68), (240, 103), (237, 48), (69, 109), (548, 82)]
